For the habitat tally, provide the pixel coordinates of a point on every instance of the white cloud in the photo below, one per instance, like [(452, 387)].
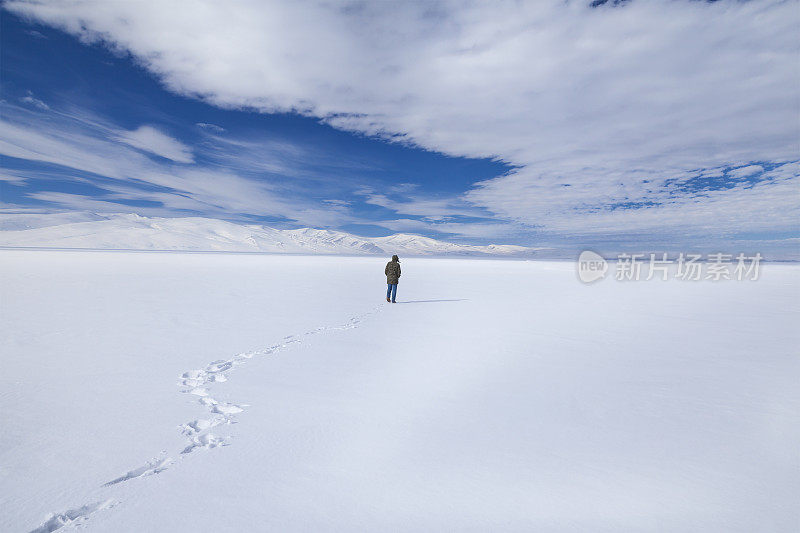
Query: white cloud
[(337, 203), (713, 173), (78, 202), (151, 140), (30, 99), (612, 101), (211, 127), (430, 208), (13, 177), (82, 143), (743, 172)]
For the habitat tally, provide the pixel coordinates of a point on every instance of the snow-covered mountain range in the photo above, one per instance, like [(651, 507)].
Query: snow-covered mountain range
[(134, 232)]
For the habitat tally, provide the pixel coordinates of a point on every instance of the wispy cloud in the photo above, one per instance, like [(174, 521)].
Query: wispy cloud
[(211, 127), (30, 99), (37, 34), (745, 171), (117, 164), (151, 140), (410, 202), (12, 177)]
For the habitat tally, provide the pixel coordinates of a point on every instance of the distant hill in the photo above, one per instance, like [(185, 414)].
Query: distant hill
[(134, 232)]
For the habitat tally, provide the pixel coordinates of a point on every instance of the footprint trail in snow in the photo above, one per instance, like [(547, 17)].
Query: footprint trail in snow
[(198, 432), (197, 382)]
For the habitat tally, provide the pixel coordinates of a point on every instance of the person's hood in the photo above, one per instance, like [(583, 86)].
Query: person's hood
[(395, 259)]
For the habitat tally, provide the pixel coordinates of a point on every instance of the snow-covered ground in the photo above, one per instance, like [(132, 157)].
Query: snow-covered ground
[(214, 392)]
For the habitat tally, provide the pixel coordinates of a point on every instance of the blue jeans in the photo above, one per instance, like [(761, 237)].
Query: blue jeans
[(391, 292)]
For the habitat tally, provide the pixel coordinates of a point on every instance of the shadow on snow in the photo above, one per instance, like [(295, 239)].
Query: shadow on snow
[(431, 301)]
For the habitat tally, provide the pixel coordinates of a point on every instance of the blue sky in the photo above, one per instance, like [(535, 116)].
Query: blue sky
[(551, 125)]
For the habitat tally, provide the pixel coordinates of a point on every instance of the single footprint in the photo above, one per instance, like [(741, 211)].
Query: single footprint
[(226, 409), (72, 517), (153, 467), (195, 378), (201, 424), (207, 441), (219, 366)]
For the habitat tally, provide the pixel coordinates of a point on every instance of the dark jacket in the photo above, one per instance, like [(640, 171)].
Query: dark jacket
[(392, 272)]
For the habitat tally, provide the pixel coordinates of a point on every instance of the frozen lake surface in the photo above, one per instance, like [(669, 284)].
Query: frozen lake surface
[(213, 392)]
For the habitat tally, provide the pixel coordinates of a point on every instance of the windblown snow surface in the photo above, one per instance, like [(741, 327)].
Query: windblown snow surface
[(221, 392)]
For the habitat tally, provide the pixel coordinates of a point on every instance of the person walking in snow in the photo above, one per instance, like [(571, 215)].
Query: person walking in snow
[(392, 272)]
